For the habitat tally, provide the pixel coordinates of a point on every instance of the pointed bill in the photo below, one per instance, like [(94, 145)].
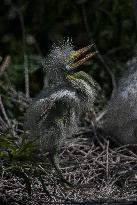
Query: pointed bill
[(80, 56)]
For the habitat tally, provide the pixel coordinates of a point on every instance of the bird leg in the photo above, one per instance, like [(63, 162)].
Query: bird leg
[(53, 160)]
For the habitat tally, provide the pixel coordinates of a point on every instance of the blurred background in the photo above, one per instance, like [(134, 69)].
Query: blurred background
[(28, 28)]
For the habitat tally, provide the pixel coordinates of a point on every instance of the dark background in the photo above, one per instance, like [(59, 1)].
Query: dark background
[(30, 27)]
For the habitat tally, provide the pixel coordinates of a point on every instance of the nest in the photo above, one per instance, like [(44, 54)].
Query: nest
[(99, 172)]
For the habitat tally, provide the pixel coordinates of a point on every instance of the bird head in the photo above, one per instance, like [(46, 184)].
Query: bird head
[(63, 60)]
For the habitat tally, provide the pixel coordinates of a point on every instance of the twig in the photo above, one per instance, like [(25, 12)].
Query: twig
[(107, 68), (98, 53), (26, 70), (95, 134), (86, 23), (4, 113), (3, 123), (114, 50), (134, 5), (16, 97), (4, 65), (101, 115), (107, 162)]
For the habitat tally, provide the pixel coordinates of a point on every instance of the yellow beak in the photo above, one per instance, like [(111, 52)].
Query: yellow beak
[(80, 56)]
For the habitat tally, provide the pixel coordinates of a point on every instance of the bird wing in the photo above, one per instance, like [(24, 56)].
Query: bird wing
[(46, 109)]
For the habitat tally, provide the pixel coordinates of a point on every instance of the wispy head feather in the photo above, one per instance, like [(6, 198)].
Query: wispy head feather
[(58, 57)]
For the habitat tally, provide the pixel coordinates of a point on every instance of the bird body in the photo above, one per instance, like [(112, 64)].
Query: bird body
[(121, 115), (54, 114)]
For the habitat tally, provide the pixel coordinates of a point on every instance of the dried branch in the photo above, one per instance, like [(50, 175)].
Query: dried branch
[(4, 65), (107, 161), (100, 57), (134, 5), (4, 113), (26, 69)]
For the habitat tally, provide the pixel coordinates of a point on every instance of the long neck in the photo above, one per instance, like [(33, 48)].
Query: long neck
[(55, 79), (84, 85)]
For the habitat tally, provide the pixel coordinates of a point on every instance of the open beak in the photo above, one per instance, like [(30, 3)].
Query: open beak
[(80, 56)]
